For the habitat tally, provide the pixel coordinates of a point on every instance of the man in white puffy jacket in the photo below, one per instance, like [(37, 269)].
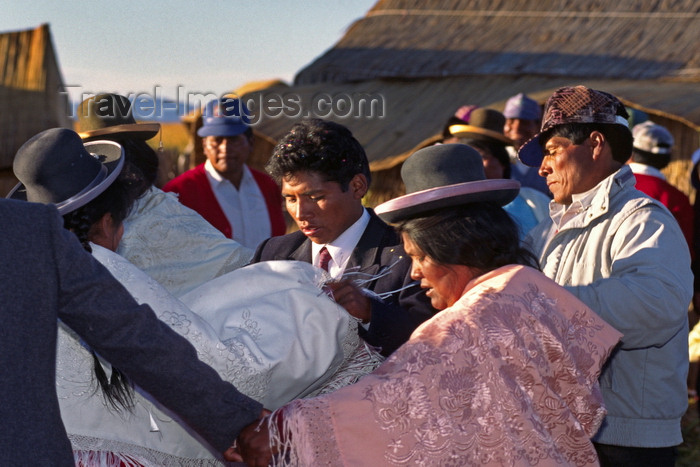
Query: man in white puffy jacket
[(623, 254)]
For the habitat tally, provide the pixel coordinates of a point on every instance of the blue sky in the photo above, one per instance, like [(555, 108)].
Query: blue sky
[(208, 46)]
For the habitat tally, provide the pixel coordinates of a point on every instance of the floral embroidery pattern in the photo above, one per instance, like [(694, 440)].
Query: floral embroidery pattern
[(506, 376)]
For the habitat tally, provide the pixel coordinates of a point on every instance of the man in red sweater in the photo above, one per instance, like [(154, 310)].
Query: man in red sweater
[(243, 203), (651, 152)]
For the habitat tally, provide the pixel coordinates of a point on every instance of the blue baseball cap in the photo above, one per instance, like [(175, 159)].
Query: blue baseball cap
[(227, 116)]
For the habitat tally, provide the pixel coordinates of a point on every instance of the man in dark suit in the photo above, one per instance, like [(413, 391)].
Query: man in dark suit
[(46, 274), (324, 173)]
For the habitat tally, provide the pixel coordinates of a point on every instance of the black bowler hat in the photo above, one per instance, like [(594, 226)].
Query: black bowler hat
[(442, 176), (54, 167)]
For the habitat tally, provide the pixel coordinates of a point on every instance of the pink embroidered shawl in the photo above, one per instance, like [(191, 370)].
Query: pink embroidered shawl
[(506, 376)]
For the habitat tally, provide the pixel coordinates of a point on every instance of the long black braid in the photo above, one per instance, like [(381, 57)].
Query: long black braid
[(117, 200)]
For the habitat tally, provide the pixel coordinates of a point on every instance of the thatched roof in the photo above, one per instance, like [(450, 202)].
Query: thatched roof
[(414, 111), (619, 39), (425, 59), (30, 90)]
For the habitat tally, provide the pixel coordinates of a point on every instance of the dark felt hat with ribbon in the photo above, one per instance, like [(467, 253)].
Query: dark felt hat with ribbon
[(55, 167), (484, 125), (444, 176), (109, 116)]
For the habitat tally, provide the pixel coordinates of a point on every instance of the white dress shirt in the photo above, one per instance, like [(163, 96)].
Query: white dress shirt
[(245, 208), (644, 169), (341, 248)]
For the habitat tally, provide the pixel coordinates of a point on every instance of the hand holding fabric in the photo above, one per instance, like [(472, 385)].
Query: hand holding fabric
[(350, 296), (253, 444)]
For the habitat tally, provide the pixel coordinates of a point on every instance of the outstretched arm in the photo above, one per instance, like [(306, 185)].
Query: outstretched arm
[(130, 336)]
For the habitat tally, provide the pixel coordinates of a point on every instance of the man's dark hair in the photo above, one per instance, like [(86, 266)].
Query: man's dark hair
[(618, 136), (321, 146), (658, 161)]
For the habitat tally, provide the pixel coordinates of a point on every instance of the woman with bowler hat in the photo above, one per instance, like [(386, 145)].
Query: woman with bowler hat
[(505, 374), (234, 322)]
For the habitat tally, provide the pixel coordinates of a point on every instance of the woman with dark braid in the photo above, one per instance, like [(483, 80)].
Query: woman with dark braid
[(268, 329), (101, 222), (94, 216)]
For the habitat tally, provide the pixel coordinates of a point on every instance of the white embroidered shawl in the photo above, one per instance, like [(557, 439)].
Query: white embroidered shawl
[(175, 245), (267, 328)]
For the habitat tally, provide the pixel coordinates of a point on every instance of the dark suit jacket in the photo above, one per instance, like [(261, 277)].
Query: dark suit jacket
[(378, 251), (45, 274)]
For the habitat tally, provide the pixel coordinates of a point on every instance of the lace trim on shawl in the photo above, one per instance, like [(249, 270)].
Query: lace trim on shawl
[(241, 366), (97, 452), (361, 360), (314, 443), (175, 245)]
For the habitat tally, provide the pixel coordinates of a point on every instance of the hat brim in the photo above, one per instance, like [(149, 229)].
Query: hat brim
[(465, 131), (143, 131), (501, 191), (531, 153), (111, 155)]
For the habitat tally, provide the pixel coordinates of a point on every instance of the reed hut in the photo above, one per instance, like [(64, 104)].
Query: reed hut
[(425, 59), (32, 95)]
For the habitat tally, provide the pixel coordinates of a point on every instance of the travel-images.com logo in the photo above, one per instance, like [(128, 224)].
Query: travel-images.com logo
[(257, 106)]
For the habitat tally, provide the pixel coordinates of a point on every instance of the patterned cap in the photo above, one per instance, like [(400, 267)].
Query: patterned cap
[(577, 104)]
